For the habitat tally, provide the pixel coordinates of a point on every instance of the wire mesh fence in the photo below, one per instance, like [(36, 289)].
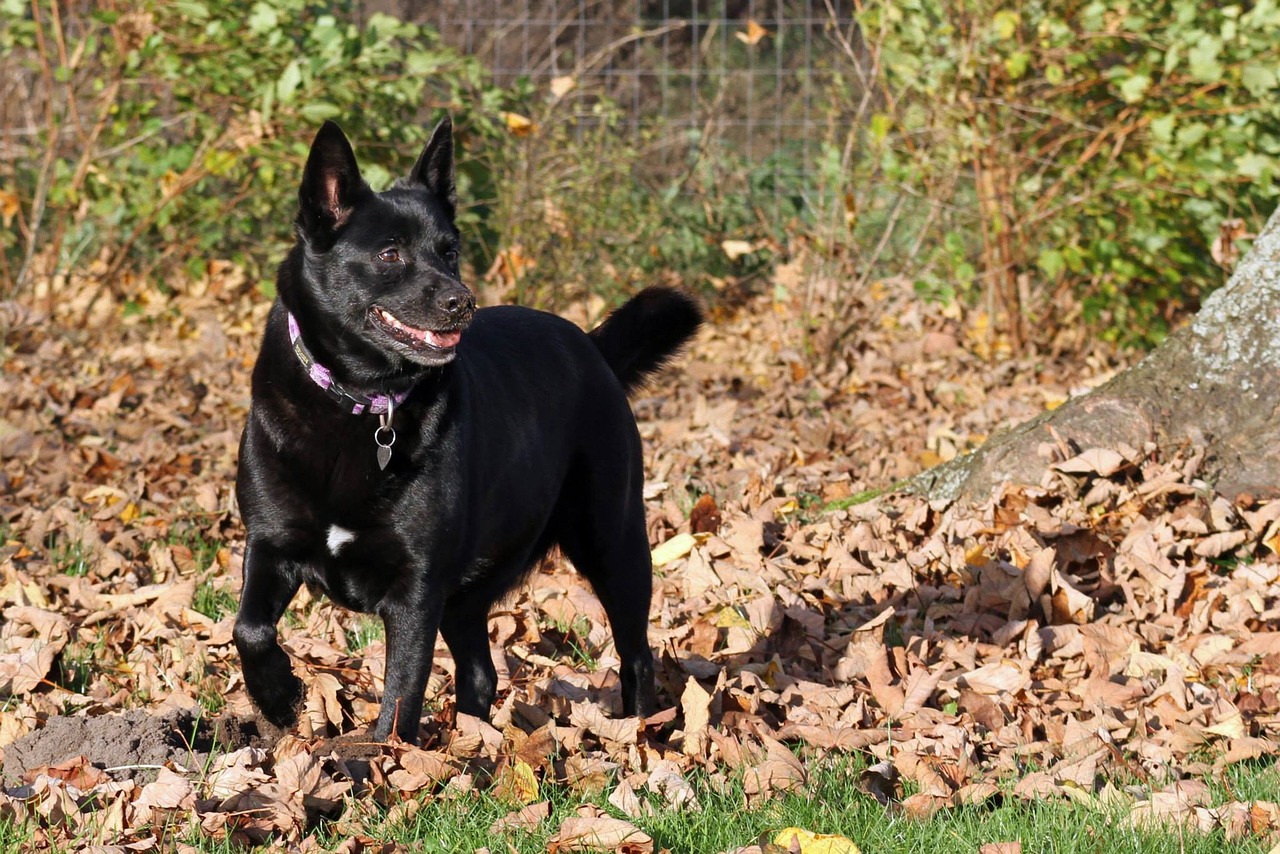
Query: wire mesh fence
[(762, 85)]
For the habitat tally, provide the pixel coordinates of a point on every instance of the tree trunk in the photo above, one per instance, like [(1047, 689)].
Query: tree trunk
[(1215, 384)]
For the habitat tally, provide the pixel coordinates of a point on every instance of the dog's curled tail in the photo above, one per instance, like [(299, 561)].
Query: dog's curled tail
[(646, 332)]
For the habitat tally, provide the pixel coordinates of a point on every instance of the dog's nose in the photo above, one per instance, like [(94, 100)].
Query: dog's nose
[(458, 303)]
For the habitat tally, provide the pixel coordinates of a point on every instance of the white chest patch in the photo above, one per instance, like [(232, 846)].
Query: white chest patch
[(338, 537)]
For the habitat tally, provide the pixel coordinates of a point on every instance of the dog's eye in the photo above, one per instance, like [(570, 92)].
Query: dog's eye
[(451, 256), (389, 256)]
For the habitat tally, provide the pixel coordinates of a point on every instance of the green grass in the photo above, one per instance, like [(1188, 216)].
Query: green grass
[(362, 630), (204, 549), (14, 839), (68, 557), (570, 639), (212, 599), (831, 803)]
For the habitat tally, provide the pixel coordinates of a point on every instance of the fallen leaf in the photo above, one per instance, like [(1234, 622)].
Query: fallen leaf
[(526, 819), (808, 842), (599, 833), (516, 782), (673, 549)]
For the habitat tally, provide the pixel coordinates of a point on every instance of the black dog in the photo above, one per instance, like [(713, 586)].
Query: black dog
[(409, 468)]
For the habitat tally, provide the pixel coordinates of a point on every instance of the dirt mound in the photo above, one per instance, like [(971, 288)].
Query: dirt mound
[(132, 744)]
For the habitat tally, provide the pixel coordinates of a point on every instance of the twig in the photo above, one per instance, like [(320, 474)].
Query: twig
[(50, 151), (119, 768)]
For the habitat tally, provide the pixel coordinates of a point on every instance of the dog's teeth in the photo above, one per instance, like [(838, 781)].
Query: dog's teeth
[(438, 340)]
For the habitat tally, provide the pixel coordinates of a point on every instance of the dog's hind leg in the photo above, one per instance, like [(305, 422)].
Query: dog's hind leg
[(411, 624), (465, 629), (607, 543)]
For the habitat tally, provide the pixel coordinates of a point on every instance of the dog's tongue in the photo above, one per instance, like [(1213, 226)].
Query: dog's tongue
[(442, 340)]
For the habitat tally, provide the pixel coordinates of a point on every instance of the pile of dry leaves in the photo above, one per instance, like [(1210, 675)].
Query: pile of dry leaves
[(1108, 635)]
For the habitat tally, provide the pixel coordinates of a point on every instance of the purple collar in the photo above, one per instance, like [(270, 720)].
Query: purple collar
[(378, 404)]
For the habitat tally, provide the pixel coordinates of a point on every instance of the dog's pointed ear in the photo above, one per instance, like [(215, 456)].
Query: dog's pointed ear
[(331, 183), (434, 169)]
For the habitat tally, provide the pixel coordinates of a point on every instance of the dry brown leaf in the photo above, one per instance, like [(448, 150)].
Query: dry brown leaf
[(998, 677), (1216, 545), (695, 705), (517, 783), (34, 637), (599, 833), (705, 517), (780, 771), (169, 791), (881, 782), (921, 806), (527, 818), (1103, 462), (666, 781), (613, 732), (624, 797)]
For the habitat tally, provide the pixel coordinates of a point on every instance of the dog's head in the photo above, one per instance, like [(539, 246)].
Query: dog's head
[(380, 270)]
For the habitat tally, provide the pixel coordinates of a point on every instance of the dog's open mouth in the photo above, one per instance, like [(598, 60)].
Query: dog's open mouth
[(419, 339)]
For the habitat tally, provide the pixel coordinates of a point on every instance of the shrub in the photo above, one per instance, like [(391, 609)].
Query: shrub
[(577, 212), (174, 132), (1084, 155)]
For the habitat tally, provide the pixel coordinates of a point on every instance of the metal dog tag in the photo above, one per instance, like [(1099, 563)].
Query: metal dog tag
[(384, 426)]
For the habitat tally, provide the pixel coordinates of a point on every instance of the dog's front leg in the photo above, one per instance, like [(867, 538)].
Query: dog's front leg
[(411, 625), (270, 583)]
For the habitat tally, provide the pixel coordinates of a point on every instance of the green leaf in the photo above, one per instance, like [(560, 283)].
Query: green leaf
[(376, 175), (289, 81), (1204, 59), (192, 9), (1258, 79), (881, 124), (1254, 165), (219, 162), (382, 25), (421, 62), (262, 19), (317, 111), (1051, 263), (1005, 24), (1134, 88), (1016, 65)]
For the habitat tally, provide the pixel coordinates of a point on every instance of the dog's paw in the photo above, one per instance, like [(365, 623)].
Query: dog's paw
[(276, 691), (281, 701)]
